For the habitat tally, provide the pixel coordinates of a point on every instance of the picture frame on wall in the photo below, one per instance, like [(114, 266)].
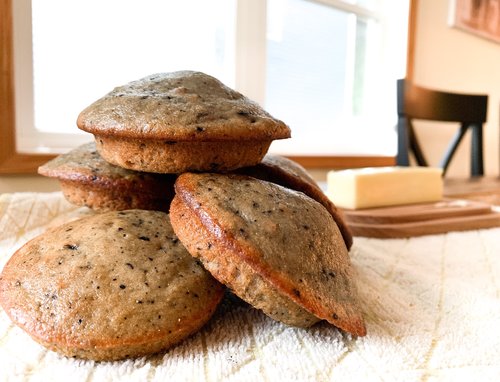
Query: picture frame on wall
[(479, 17)]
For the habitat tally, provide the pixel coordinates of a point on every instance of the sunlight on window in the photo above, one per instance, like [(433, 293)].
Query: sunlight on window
[(328, 68), (325, 67), (306, 66), (98, 45)]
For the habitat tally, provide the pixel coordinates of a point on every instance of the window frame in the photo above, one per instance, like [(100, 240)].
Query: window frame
[(14, 162), (11, 161)]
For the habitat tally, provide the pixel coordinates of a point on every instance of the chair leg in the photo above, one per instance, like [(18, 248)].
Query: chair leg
[(402, 158), (453, 147), (415, 147), (477, 165)]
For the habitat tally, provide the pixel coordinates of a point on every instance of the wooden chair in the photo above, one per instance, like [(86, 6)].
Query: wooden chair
[(415, 102)]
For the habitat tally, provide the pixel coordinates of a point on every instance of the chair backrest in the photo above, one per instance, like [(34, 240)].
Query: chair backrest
[(415, 102)]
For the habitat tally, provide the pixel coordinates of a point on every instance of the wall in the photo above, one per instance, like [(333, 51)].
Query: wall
[(450, 59)]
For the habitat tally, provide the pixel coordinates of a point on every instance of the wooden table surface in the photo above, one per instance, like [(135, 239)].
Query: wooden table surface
[(486, 189)]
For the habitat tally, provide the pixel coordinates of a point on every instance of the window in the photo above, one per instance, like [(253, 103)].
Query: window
[(318, 75), (331, 69), (98, 45), (326, 67)]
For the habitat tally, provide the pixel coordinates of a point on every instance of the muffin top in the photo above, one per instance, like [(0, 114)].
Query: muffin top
[(290, 174), (106, 281), (180, 106), (286, 237)]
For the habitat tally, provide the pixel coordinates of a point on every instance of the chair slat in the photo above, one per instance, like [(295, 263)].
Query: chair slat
[(419, 103)]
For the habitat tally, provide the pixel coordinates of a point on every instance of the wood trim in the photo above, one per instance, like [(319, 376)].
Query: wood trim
[(339, 162), (11, 162), (412, 31)]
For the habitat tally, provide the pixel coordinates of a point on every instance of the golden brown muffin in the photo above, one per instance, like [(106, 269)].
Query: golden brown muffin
[(109, 286), (276, 248), (88, 180), (290, 174), (180, 121)]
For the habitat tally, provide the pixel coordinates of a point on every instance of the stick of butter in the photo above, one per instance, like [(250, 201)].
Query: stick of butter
[(384, 186)]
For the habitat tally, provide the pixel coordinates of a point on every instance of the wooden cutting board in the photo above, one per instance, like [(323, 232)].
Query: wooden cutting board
[(422, 219)]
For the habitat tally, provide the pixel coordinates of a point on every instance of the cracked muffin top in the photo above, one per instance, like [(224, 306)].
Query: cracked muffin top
[(284, 237), (180, 106), (108, 286)]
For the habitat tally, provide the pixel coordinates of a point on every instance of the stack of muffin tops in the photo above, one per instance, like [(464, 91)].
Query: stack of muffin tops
[(187, 203)]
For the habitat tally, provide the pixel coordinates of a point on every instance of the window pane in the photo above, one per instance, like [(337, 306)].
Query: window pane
[(306, 65), (95, 45), (308, 61), (323, 66)]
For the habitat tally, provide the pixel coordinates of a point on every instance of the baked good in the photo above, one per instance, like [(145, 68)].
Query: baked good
[(88, 180), (113, 285), (288, 173), (180, 121), (276, 248)]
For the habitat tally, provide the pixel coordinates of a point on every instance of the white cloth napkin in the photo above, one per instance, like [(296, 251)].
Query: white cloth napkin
[(431, 304)]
